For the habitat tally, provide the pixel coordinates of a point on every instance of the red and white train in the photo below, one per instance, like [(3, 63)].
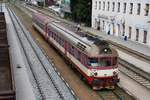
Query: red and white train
[(95, 60)]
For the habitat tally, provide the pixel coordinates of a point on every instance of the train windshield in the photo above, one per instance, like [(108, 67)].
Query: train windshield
[(102, 62)]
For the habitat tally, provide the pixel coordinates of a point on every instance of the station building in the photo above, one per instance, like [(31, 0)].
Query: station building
[(123, 18)]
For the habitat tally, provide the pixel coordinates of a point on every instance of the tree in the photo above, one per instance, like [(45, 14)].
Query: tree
[(81, 11)]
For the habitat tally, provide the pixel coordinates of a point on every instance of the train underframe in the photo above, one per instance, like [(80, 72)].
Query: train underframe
[(104, 83)]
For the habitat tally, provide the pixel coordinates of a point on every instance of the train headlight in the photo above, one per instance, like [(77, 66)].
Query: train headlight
[(95, 74), (105, 50)]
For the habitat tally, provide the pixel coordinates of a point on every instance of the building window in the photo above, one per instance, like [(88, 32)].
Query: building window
[(124, 7), (131, 8), (118, 6), (145, 37), (95, 5), (137, 34), (103, 5), (138, 8), (99, 5), (98, 25), (108, 6), (146, 9), (130, 31), (95, 22), (113, 6), (103, 24), (119, 29)]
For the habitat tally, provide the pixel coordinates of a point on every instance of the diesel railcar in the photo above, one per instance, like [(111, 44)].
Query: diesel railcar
[(95, 60)]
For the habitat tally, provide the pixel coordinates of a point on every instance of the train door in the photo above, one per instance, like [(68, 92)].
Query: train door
[(145, 36), (98, 25)]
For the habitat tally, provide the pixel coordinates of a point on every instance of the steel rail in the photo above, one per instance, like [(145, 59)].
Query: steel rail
[(108, 95), (116, 94)]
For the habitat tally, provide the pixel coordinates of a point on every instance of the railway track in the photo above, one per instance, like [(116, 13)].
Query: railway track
[(108, 95), (49, 83), (117, 94)]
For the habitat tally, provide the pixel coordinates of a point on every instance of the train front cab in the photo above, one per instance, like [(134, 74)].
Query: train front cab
[(103, 72)]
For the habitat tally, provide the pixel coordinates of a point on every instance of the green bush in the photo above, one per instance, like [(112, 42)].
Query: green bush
[(41, 4), (81, 11)]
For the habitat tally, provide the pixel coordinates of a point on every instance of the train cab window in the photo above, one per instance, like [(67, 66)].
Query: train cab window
[(102, 62), (93, 62)]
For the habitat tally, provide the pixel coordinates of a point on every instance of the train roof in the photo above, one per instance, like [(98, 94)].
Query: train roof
[(91, 45)]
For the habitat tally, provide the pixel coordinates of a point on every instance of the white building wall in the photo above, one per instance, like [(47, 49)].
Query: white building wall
[(148, 38), (113, 19)]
